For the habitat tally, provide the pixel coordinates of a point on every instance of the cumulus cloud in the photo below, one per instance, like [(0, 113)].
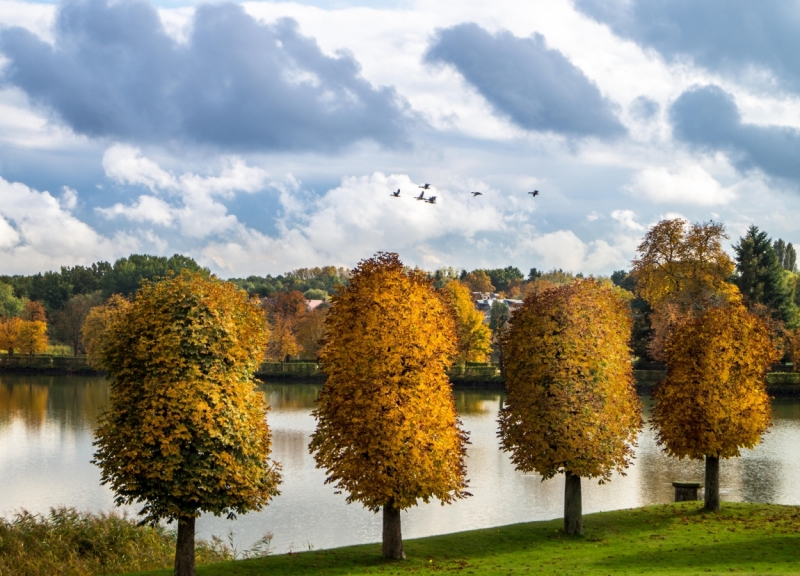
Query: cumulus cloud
[(537, 87), (347, 222), (688, 184), (738, 37), (39, 232), (707, 117), (113, 70), (198, 209)]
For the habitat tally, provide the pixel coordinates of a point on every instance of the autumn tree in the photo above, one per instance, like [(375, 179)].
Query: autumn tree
[(680, 269), (478, 281), (98, 320), (474, 336), (387, 430), (68, 323), (33, 310), (713, 401), (284, 312), (186, 431), (572, 406), (31, 337), (9, 332), (311, 330)]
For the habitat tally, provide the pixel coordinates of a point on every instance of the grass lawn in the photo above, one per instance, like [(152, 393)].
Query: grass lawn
[(673, 538)]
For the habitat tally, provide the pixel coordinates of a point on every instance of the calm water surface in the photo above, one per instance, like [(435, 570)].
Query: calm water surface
[(46, 426)]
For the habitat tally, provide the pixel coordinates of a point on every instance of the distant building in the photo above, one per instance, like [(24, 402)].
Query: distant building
[(314, 303)]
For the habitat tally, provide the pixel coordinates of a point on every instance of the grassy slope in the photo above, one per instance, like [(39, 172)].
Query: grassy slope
[(675, 538)]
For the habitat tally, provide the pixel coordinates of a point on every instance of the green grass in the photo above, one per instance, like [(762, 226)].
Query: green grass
[(668, 539)]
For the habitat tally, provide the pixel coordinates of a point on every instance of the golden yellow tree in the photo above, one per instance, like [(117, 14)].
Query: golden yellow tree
[(186, 431), (474, 336), (680, 269), (97, 321), (571, 405), (478, 281), (713, 401), (387, 430), (31, 337), (9, 330)]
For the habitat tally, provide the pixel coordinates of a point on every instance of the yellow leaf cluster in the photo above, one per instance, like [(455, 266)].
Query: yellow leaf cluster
[(9, 330), (571, 406), (474, 336), (714, 401), (25, 336), (186, 431), (387, 430)]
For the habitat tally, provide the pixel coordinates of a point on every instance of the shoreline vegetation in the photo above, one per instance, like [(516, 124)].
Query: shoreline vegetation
[(677, 538), (478, 375)]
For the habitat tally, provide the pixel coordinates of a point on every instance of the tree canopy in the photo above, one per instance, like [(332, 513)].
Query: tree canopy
[(186, 430), (713, 401), (474, 336), (387, 430), (761, 277), (680, 269), (571, 404)]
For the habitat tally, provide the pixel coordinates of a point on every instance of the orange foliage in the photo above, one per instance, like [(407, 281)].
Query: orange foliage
[(186, 431), (311, 331), (387, 430), (284, 313), (97, 321), (714, 401), (571, 406), (31, 337), (474, 336), (9, 330), (478, 282), (34, 311), (680, 270)]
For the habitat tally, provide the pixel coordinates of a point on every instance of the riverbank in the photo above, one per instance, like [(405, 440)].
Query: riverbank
[(665, 539), (779, 384)]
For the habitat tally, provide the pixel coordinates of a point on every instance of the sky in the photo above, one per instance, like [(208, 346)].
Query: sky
[(261, 137)]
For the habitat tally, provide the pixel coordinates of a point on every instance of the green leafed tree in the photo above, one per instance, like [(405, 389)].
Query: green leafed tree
[(571, 406), (387, 429), (126, 274), (10, 305), (186, 430), (761, 278)]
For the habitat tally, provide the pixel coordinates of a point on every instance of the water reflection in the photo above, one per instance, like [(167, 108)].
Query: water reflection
[(46, 426)]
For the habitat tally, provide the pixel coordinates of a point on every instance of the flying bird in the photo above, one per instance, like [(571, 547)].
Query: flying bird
[(535, 193), (421, 195), (431, 200), (426, 186), (396, 194), (474, 194)]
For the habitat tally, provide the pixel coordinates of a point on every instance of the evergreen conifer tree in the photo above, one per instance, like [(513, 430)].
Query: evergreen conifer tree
[(760, 275)]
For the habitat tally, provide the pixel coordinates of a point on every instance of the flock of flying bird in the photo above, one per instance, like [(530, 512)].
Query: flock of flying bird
[(432, 199)]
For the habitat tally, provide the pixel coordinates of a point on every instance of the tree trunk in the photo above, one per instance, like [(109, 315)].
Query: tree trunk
[(573, 509), (712, 484), (184, 550), (392, 536)]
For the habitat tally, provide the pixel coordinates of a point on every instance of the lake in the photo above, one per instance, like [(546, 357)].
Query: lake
[(47, 422)]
